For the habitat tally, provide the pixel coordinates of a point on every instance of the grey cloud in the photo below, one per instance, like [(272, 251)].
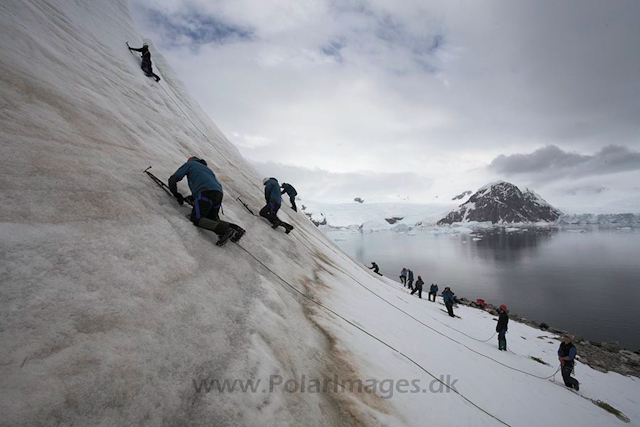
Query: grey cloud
[(551, 161)]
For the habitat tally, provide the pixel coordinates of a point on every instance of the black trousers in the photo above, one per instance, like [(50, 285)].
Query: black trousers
[(569, 381), (410, 284), (434, 296), (269, 211), (292, 199), (148, 70), (450, 308), (205, 212), (403, 280), (419, 290)]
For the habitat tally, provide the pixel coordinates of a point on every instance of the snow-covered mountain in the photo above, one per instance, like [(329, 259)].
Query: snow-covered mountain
[(116, 311), (502, 202)]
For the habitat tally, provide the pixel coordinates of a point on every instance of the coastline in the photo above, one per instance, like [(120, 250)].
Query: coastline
[(601, 356)]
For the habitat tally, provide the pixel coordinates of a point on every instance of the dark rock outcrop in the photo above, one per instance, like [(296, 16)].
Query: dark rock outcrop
[(501, 203), (394, 219), (462, 195)]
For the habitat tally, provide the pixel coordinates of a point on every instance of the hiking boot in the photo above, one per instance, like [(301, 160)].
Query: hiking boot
[(224, 237), (239, 232), (275, 225), (577, 386), (288, 228)]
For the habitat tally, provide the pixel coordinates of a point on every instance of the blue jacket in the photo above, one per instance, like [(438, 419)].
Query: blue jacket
[(200, 178), (272, 191), (448, 297), (433, 289)]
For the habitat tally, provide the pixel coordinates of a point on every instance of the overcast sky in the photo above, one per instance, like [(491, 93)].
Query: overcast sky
[(415, 100)]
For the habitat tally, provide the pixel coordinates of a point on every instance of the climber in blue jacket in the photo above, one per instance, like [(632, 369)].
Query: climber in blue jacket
[(274, 201)]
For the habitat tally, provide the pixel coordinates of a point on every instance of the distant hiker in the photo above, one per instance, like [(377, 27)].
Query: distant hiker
[(448, 300), (410, 278), (403, 277), (274, 200), (418, 287), (375, 268), (433, 290), (206, 193), (501, 327), (288, 188), (146, 60), (566, 356)]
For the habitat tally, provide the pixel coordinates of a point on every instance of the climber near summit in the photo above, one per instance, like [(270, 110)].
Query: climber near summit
[(274, 200), (206, 194), (146, 64)]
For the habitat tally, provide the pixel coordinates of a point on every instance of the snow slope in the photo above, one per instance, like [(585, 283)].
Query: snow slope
[(114, 307)]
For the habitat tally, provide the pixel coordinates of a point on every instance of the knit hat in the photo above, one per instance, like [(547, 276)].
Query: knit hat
[(503, 307)]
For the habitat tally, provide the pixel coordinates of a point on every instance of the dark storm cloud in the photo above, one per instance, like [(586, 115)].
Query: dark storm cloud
[(553, 161)]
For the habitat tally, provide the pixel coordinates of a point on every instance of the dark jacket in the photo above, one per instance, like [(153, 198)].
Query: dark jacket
[(288, 188), (419, 284), (199, 177), (146, 55), (448, 297), (410, 273), (433, 289), (272, 191), (503, 321), (567, 350)]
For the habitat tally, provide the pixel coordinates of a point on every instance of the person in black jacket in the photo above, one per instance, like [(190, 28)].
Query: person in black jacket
[(433, 290), (146, 64), (409, 279), (288, 188), (502, 326), (375, 268), (418, 287), (566, 356)]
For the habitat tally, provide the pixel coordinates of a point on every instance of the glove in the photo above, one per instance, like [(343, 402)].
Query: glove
[(179, 198)]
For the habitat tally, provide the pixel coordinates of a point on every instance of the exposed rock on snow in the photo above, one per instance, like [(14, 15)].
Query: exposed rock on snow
[(501, 203), (462, 195), (394, 219)]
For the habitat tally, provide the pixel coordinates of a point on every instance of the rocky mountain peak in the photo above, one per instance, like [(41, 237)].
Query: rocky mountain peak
[(502, 202)]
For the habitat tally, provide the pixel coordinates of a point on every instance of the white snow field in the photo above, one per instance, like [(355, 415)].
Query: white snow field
[(115, 308)]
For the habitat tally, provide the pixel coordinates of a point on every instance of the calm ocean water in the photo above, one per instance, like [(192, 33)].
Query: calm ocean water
[(585, 280)]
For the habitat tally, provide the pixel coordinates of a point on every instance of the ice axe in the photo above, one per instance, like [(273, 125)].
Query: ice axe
[(189, 199), (245, 205)]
